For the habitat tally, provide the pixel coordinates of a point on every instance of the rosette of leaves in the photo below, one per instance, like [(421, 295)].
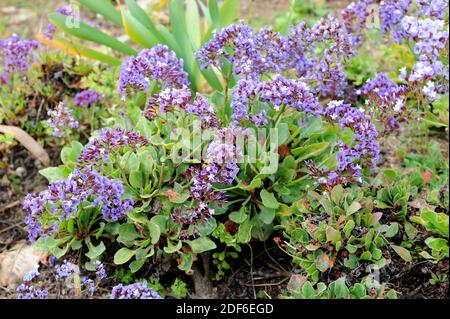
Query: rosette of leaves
[(299, 287), (339, 231)]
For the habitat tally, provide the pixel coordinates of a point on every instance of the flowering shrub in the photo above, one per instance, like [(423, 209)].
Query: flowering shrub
[(277, 139)]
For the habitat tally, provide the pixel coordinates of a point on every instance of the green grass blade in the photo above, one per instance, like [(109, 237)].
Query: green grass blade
[(86, 32), (137, 31), (193, 22), (144, 18), (214, 12), (84, 51), (105, 8)]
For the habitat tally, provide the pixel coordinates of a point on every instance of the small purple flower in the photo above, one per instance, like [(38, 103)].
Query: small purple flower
[(134, 291), (60, 119), (63, 198), (391, 14), (98, 149), (27, 290), (87, 97), (90, 285), (15, 55), (157, 63), (99, 270), (66, 269)]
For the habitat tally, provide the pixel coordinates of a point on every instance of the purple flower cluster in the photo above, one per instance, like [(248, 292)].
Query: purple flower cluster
[(390, 100), (27, 290), (355, 18), (429, 76), (66, 10), (87, 97), (60, 119), (201, 108), (430, 36), (63, 198), (222, 157), (99, 270), (391, 15), (157, 63), (66, 269), (333, 31), (349, 158), (109, 140), (166, 100), (15, 55), (237, 45), (279, 92), (433, 8), (134, 291), (253, 54)]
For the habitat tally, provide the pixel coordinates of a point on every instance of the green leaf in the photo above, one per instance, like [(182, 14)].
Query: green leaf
[(269, 199), (358, 290), (353, 208), (186, 262), (214, 13), (46, 243), (244, 234), (103, 7), (392, 230), (266, 214), (137, 180), (390, 174), (137, 264), (240, 216), (333, 235), (127, 232), (144, 19), (52, 174), (305, 152), (95, 251), (137, 31), (340, 288), (123, 255), (155, 232), (337, 193), (170, 249), (349, 226), (76, 48), (308, 290), (201, 245), (193, 22), (367, 255), (402, 252), (86, 32), (256, 183)]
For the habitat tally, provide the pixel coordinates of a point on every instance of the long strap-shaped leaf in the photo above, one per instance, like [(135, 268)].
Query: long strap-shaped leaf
[(137, 31), (178, 24), (103, 7), (145, 19), (228, 12), (78, 49), (86, 32)]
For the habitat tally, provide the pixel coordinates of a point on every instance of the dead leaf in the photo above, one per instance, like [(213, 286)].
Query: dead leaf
[(16, 262), (27, 141), (296, 282)]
